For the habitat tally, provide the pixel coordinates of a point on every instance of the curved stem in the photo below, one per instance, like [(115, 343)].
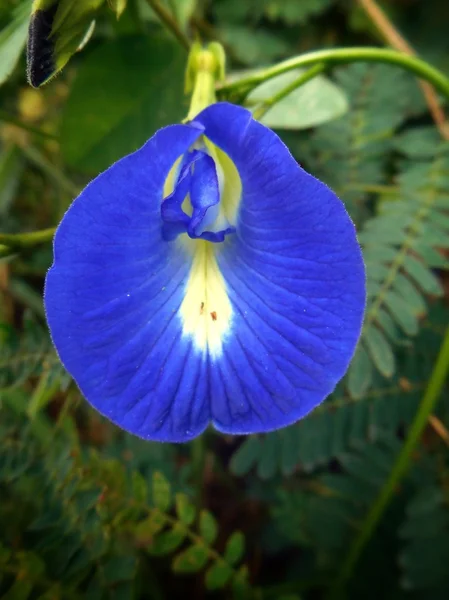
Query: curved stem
[(261, 110), (170, 22), (400, 467), (342, 56), (26, 240)]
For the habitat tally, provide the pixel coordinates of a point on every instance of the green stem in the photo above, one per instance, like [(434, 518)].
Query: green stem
[(27, 240), (8, 118), (261, 110), (400, 467), (170, 22), (336, 56)]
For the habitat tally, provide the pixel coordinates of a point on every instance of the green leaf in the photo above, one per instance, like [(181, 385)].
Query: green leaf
[(161, 492), (380, 350), (240, 583), (400, 310), (116, 103), (139, 487), (268, 461), (235, 547), (246, 456), (167, 541), (191, 560), (293, 12), (208, 527), (146, 529), (423, 276), (184, 10), (118, 6), (13, 39), (185, 509), (360, 373), (253, 46), (314, 103), (419, 142), (218, 575), (119, 568)]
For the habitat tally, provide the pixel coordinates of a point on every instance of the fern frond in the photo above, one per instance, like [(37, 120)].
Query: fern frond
[(25, 354), (425, 534), (102, 515), (326, 511), (351, 154), (401, 248)]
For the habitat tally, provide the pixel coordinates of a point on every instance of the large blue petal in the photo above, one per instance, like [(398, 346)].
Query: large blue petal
[(295, 279), (113, 293), (252, 333)]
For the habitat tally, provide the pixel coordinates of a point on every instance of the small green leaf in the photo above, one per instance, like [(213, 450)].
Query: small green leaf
[(191, 560), (418, 142), (253, 46), (146, 529), (161, 492), (235, 547), (184, 509), (119, 568), (360, 373), (270, 456), (246, 456), (139, 487), (314, 103), (422, 275), (401, 312), (168, 541), (13, 39), (118, 6), (208, 527), (293, 12), (218, 575), (240, 583), (380, 350), (184, 10)]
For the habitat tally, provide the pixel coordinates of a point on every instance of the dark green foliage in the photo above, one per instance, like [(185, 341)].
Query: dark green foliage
[(89, 512), (91, 521)]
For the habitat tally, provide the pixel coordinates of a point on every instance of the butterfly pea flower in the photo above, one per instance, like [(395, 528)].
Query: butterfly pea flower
[(206, 279)]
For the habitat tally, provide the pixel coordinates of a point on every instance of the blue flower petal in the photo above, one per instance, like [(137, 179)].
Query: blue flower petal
[(295, 279), (163, 335), (113, 293)]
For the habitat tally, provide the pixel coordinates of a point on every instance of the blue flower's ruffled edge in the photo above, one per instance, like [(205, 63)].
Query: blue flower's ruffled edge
[(121, 304)]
